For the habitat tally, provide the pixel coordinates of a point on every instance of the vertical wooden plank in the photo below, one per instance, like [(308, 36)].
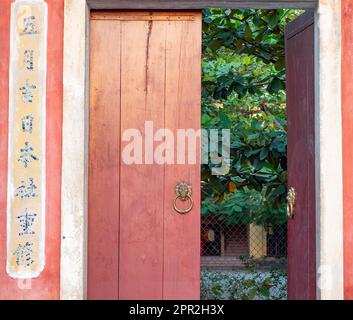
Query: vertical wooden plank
[(47, 286), (183, 111), (301, 157), (142, 186), (347, 127), (104, 160)]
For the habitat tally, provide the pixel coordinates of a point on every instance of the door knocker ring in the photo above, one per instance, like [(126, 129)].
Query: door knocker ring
[(183, 192)]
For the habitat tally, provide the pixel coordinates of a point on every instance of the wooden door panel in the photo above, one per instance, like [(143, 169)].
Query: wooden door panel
[(301, 157), (182, 233), (142, 186), (104, 164), (144, 67)]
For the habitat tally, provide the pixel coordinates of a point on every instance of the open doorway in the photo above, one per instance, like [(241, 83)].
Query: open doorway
[(244, 215), (328, 121), (154, 113)]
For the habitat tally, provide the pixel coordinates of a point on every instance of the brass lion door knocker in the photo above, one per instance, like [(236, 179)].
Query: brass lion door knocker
[(183, 193)]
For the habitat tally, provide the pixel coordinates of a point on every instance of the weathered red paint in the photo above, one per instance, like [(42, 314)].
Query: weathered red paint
[(47, 286), (347, 128), (301, 157), (139, 247), (103, 225)]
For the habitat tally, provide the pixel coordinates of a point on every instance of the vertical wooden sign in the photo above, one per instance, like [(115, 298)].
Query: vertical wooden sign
[(27, 132)]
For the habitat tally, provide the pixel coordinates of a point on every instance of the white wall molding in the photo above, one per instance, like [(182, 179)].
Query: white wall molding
[(329, 151), (74, 174)]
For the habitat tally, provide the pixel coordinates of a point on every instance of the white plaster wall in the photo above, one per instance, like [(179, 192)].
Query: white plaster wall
[(329, 152), (73, 246)]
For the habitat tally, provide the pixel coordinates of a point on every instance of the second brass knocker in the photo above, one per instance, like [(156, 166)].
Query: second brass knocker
[(183, 192)]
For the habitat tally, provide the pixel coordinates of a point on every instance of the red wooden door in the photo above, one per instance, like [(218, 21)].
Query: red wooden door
[(301, 157), (145, 66)]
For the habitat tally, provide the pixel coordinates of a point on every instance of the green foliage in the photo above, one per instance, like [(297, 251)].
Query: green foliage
[(244, 91), (248, 33)]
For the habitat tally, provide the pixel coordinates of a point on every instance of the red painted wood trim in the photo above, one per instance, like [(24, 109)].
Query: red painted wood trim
[(47, 286), (299, 24), (104, 161), (301, 158), (347, 129), (183, 111), (142, 187)]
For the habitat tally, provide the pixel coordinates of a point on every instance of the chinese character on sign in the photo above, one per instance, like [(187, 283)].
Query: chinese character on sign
[(26, 221), (29, 25), (28, 59), (26, 201), (23, 255), (26, 155), (27, 92), (27, 124), (26, 190)]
